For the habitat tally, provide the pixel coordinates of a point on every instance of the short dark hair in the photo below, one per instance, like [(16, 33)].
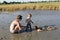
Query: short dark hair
[(30, 15), (19, 17)]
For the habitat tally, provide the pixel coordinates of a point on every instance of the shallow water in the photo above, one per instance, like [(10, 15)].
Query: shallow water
[(40, 18)]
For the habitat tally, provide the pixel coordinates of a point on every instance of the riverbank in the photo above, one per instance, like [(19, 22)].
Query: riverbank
[(31, 6)]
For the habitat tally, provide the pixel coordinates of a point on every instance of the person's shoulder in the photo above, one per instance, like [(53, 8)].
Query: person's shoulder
[(14, 21)]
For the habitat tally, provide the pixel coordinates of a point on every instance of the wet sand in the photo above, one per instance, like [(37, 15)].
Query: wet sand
[(40, 18)]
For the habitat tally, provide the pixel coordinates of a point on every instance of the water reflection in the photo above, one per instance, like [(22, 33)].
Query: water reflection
[(16, 37), (27, 36)]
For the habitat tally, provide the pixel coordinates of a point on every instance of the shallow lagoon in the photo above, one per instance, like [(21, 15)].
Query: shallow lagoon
[(40, 18)]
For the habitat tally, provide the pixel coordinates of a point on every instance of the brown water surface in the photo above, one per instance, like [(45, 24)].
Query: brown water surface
[(40, 18)]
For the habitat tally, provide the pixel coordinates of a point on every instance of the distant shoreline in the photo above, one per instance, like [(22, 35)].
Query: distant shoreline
[(30, 6)]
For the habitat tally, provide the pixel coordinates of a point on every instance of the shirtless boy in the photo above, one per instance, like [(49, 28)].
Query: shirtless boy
[(15, 25)]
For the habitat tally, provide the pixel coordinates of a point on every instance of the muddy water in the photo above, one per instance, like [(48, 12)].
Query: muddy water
[(40, 18)]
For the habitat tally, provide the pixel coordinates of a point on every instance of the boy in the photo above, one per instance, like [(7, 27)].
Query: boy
[(29, 21), (15, 25)]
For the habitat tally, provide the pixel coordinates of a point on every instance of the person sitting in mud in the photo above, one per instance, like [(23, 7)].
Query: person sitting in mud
[(39, 29), (47, 28), (51, 28), (28, 21), (15, 25)]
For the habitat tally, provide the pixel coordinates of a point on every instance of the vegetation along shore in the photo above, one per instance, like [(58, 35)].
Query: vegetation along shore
[(31, 6)]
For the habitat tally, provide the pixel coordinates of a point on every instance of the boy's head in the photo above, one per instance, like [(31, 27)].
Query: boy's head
[(29, 15), (19, 17)]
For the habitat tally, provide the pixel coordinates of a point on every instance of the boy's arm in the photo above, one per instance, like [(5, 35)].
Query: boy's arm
[(32, 22)]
